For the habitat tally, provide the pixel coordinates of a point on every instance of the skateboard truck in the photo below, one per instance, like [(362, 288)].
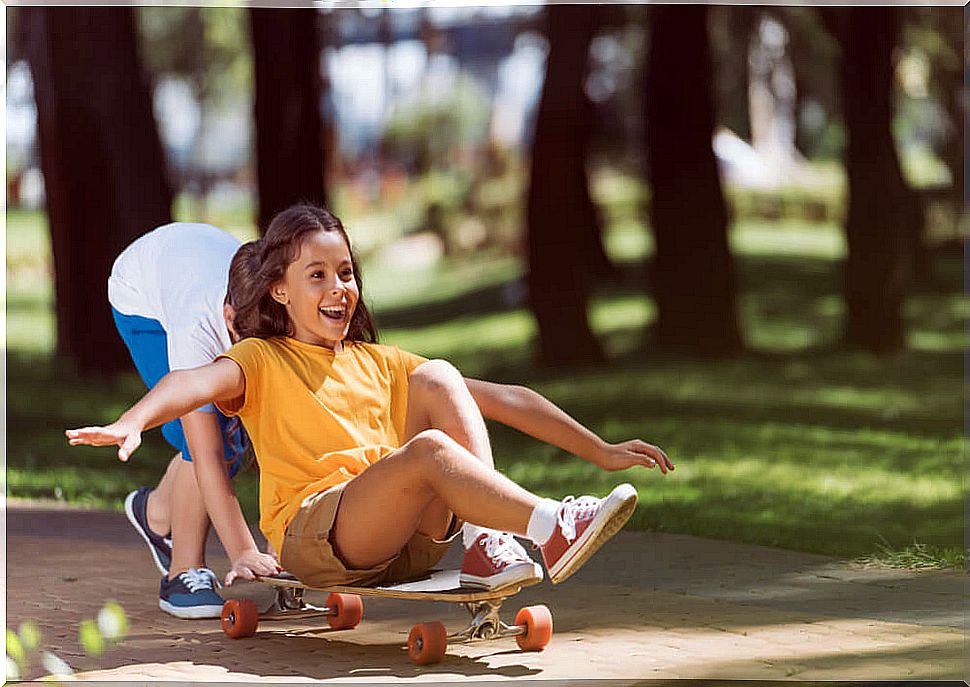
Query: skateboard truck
[(485, 624), (289, 603)]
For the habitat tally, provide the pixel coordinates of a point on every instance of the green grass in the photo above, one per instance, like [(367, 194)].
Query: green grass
[(797, 443), (916, 556)]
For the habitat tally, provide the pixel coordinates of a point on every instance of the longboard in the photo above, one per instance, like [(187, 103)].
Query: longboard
[(281, 596)]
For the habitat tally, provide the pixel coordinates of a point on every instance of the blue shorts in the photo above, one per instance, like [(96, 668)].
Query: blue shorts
[(148, 346)]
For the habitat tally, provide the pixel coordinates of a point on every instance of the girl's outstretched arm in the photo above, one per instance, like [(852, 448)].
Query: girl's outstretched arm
[(177, 394), (532, 413)]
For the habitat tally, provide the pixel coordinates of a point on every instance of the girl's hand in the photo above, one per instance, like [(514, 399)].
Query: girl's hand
[(250, 564), (126, 435), (634, 452)]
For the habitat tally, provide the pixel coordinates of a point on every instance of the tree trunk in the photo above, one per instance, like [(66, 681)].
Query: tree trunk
[(103, 165), (289, 146), (693, 275), (560, 214), (734, 25), (883, 211)]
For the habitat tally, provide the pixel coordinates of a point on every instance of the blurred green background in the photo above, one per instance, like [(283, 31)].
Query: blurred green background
[(798, 441)]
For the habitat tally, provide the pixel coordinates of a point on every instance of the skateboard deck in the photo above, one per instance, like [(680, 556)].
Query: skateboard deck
[(437, 585), (282, 597)]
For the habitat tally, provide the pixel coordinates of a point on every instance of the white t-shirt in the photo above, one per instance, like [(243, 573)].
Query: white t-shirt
[(177, 274)]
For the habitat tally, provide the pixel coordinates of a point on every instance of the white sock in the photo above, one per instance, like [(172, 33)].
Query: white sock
[(542, 522), (470, 533)]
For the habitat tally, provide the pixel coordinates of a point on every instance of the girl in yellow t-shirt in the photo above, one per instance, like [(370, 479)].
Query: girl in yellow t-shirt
[(373, 459)]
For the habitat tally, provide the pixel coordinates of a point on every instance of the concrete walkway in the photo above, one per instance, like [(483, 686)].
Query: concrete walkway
[(648, 606)]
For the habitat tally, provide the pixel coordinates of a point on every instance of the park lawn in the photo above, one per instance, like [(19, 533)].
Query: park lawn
[(797, 443)]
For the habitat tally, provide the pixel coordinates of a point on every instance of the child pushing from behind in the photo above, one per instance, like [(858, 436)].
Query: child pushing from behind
[(373, 459), (167, 292)]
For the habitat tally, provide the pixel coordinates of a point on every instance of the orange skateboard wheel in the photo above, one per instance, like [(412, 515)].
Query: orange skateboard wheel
[(537, 621), (348, 609), (240, 617), (427, 643)]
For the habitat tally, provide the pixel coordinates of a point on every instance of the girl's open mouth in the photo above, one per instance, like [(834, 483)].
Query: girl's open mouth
[(337, 313)]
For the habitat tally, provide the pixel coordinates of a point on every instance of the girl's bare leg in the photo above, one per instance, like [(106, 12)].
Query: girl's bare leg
[(446, 467), (382, 508), (439, 399)]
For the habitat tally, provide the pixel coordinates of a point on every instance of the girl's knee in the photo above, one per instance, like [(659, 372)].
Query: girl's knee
[(431, 441), (435, 448), (434, 375)]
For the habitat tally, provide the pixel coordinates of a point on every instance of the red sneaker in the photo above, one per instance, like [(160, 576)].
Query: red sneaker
[(583, 526), (497, 560)]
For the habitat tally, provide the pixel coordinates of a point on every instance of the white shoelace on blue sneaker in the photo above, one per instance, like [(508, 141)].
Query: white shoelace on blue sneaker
[(502, 548), (197, 579), (572, 510)]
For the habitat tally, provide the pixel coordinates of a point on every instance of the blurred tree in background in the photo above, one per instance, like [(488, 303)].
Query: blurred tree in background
[(207, 50), (692, 275), (814, 56), (933, 78), (103, 165), (563, 228), (883, 212), (289, 147), (730, 33)]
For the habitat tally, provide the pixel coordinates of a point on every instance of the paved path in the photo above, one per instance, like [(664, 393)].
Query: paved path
[(648, 606)]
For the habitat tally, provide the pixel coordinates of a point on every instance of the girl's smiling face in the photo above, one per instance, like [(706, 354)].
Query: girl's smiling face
[(319, 290)]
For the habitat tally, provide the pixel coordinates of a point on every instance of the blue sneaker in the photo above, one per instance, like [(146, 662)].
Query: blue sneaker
[(136, 508), (190, 595)]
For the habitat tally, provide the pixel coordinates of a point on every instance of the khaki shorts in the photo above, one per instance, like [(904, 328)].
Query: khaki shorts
[(308, 553)]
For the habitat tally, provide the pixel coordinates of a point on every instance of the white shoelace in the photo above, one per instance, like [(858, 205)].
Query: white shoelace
[(574, 509), (502, 548), (197, 579)]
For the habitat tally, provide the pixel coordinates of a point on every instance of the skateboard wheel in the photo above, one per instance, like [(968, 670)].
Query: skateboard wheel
[(427, 643), (346, 611), (537, 621), (240, 618)]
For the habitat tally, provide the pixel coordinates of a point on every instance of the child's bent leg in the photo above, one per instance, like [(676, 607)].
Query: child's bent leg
[(190, 522), (159, 509), (381, 509), (439, 399)]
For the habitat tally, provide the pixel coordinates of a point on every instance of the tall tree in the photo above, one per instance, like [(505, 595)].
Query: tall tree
[(563, 225), (883, 211), (693, 275), (102, 161), (289, 149)]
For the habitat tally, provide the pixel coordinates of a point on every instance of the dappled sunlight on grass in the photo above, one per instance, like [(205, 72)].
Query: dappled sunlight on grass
[(466, 338), (799, 239)]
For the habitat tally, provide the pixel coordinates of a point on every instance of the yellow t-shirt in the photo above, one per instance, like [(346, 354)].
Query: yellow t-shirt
[(317, 418)]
